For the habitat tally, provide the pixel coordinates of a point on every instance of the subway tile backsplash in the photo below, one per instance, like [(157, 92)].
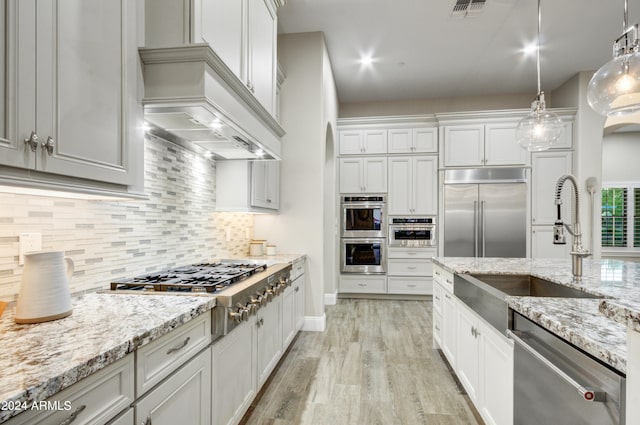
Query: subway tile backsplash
[(109, 239)]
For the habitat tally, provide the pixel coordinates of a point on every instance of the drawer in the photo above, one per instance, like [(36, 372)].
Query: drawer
[(437, 297), (444, 277), (437, 328), (94, 400), (410, 285), (158, 359), (367, 285), (424, 253), (408, 267)]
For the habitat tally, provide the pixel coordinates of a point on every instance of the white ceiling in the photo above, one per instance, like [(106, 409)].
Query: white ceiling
[(422, 52)]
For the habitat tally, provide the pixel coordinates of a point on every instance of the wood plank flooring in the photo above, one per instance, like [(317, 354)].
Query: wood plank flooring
[(374, 365)]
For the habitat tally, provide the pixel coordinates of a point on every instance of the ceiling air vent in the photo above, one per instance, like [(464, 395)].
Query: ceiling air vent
[(467, 8)]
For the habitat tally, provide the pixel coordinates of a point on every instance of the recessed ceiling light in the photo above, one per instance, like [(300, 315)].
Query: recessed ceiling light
[(366, 60), (530, 48)]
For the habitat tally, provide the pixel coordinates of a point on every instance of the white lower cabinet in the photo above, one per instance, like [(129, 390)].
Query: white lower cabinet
[(364, 284), (481, 357), (234, 374), (288, 316), (93, 400), (125, 418), (269, 338), (299, 300), (183, 398)]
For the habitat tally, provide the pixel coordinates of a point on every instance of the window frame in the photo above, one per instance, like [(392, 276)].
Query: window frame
[(630, 210)]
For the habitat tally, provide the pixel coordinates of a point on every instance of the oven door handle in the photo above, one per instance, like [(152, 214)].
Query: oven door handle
[(587, 394)]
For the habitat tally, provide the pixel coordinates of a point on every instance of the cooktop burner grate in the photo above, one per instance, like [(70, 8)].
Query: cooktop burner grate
[(201, 277)]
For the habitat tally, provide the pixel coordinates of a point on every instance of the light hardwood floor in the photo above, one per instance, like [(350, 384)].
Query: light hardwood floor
[(374, 365)]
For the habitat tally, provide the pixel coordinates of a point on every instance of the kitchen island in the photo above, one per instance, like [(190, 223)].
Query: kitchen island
[(40, 360), (587, 323)]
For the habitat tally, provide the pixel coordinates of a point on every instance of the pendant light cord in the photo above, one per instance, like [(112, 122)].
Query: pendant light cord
[(538, 47), (625, 21)]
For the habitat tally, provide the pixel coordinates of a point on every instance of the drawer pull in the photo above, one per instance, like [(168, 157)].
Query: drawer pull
[(437, 298), (411, 267), (412, 253), (411, 286), (447, 296), (362, 284), (437, 273), (73, 415), (179, 347)]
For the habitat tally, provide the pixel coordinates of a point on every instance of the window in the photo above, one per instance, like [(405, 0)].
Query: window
[(621, 216)]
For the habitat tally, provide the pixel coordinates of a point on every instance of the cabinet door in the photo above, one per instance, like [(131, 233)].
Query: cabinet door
[(221, 23), (542, 245), (467, 362), (375, 175), (17, 95), (501, 147), (463, 145), (351, 142), (262, 52), (374, 141), (546, 169), (449, 328), (425, 185), (87, 64), (401, 182), (425, 140), (299, 290), (269, 339), (265, 184), (183, 398), (351, 175), (234, 374), (288, 316), (566, 139), (400, 140), (496, 377)]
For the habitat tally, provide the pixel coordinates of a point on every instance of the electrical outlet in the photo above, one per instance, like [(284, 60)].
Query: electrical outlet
[(29, 242)]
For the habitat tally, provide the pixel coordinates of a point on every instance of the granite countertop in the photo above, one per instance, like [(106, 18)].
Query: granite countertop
[(579, 321), (625, 311), (37, 361)]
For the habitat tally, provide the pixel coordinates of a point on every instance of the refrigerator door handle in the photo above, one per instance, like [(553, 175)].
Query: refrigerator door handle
[(482, 227), (475, 229)]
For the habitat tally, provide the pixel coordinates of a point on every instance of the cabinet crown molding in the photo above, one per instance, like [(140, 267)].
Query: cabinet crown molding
[(501, 114), (405, 120)]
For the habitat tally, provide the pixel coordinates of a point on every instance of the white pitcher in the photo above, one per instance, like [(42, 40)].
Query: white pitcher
[(44, 289)]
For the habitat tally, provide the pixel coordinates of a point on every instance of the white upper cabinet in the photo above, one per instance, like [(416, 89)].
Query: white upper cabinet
[(480, 144), (413, 140), (255, 188), (73, 85), (242, 33), (360, 142), (363, 175), (265, 184), (413, 185)]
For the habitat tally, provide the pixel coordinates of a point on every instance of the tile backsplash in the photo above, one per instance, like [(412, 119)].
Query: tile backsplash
[(110, 239)]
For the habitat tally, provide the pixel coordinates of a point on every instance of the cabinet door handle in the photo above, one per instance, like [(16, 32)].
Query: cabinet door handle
[(179, 347), (147, 421), (297, 288), (73, 415), (49, 145), (447, 297), (32, 141)]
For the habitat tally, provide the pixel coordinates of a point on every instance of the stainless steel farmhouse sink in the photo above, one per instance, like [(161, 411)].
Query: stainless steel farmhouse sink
[(485, 293)]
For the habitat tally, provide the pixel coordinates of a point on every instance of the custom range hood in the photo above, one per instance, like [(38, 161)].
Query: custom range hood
[(193, 99)]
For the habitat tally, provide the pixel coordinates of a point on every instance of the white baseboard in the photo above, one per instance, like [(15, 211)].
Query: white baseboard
[(315, 323), (330, 299)]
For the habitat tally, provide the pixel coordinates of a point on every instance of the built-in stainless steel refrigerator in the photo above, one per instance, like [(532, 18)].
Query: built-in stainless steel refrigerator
[(485, 212)]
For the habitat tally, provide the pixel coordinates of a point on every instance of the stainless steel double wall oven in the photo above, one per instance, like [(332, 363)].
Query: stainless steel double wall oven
[(363, 234)]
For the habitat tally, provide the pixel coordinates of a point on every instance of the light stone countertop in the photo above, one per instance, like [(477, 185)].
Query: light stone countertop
[(272, 259), (624, 311), (579, 321), (39, 360)]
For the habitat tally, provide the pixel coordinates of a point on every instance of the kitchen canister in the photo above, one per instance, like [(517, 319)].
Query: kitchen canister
[(271, 250), (256, 248), (44, 290)]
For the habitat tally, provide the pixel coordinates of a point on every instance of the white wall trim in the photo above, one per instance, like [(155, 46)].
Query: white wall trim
[(330, 299), (315, 323)]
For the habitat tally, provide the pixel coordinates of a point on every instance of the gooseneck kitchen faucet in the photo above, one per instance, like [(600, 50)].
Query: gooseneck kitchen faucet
[(577, 251)]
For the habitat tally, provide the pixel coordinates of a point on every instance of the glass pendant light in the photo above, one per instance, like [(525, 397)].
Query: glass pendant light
[(614, 90), (541, 128)]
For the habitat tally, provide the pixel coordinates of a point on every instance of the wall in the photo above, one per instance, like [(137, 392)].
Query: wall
[(110, 239), (620, 153), (306, 98), (431, 106)]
